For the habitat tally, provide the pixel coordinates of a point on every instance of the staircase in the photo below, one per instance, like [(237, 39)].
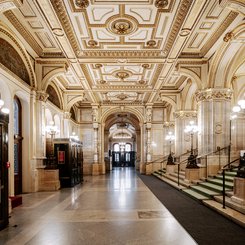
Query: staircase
[(209, 192)]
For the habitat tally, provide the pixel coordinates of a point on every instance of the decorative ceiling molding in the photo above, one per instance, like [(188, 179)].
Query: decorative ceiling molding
[(179, 19), (24, 32), (60, 10), (217, 33)]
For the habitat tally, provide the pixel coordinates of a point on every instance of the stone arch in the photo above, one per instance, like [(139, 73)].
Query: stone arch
[(134, 111), (192, 75), (73, 101), (13, 41), (222, 65), (50, 75)]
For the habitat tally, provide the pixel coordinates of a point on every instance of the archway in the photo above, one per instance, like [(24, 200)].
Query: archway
[(122, 140)]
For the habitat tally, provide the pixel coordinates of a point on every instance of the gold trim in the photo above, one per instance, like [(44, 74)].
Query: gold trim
[(25, 33)]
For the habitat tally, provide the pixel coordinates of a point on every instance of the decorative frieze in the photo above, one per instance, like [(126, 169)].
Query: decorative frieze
[(185, 114), (168, 124), (213, 94)]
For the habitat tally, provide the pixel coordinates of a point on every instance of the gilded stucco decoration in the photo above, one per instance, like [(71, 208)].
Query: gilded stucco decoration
[(122, 26), (185, 114), (213, 94), (82, 3), (161, 4)]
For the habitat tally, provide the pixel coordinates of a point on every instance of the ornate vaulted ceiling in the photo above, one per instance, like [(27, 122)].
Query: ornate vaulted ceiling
[(122, 51)]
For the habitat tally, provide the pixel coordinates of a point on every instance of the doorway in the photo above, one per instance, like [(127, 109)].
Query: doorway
[(17, 146)]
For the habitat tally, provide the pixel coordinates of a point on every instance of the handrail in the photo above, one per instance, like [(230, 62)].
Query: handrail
[(224, 168), (163, 158), (218, 150), (228, 164)]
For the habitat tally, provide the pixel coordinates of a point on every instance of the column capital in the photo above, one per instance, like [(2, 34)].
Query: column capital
[(148, 113), (42, 95), (214, 94), (168, 124), (185, 114), (67, 115)]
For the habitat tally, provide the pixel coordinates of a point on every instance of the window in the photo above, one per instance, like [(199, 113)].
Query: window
[(116, 147), (128, 147)]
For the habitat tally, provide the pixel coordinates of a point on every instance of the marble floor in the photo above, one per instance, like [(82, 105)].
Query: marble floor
[(111, 209)]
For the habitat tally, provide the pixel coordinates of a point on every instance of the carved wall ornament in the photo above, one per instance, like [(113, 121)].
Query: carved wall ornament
[(102, 81), (122, 96), (212, 94), (148, 114), (82, 3), (97, 66), (151, 43), (185, 114), (228, 36), (142, 82), (58, 32), (122, 74), (218, 128), (168, 124), (146, 66), (185, 32), (92, 43), (122, 26), (42, 96), (161, 3)]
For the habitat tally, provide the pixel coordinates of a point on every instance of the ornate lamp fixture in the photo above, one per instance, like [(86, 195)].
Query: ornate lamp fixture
[(191, 129), (3, 109), (170, 137)]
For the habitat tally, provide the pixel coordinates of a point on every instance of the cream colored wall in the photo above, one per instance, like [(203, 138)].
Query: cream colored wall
[(9, 87)]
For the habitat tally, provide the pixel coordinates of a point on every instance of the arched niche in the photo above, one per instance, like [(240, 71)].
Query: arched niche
[(54, 96)]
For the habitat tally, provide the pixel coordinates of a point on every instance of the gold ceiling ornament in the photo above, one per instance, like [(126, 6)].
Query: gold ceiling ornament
[(146, 66), (102, 81), (161, 3), (122, 96), (122, 26), (98, 66), (92, 43), (151, 43), (122, 74), (228, 36), (83, 4), (142, 82)]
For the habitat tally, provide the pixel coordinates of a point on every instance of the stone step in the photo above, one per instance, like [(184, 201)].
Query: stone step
[(170, 182), (181, 175), (229, 213), (220, 182), (195, 194), (227, 178), (213, 187), (204, 191), (229, 203)]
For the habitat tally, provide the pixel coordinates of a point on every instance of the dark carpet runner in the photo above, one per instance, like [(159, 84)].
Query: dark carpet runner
[(204, 225)]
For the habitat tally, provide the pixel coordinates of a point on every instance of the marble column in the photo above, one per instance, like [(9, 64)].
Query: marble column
[(148, 116), (41, 98), (182, 139), (66, 124), (96, 167), (214, 109)]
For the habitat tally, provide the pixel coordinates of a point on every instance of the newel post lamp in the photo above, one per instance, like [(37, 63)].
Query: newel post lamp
[(170, 137), (52, 130), (191, 129)]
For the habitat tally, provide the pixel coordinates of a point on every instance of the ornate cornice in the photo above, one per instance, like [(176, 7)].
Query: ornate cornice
[(121, 54), (180, 17), (213, 94), (23, 31), (61, 12), (185, 114), (220, 30)]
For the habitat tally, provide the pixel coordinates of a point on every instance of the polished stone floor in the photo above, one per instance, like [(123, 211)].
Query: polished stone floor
[(112, 209)]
